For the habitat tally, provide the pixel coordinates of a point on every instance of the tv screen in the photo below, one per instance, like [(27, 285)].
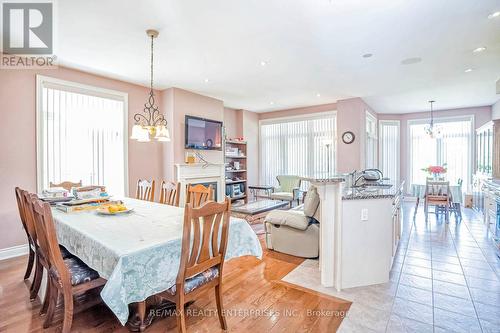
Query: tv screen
[(203, 133)]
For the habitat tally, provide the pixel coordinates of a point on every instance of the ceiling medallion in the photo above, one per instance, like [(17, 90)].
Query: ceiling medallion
[(150, 124)]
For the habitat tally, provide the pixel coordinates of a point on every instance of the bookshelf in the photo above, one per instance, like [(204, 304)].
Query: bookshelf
[(236, 170)]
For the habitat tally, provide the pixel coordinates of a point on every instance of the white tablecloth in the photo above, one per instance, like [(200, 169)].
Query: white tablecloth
[(418, 190), (138, 253)]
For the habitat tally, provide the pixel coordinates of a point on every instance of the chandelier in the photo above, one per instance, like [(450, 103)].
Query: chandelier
[(432, 130), (150, 123)]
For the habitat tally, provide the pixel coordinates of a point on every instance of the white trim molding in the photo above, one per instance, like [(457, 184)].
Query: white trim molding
[(47, 81), (14, 251)]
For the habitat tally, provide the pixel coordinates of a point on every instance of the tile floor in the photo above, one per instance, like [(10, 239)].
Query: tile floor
[(445, 278)]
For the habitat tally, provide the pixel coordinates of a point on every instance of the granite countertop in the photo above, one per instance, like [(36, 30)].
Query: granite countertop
[(492, 185), (372, 191)]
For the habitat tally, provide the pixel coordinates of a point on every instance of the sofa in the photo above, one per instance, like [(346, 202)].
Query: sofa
[(295, 231)]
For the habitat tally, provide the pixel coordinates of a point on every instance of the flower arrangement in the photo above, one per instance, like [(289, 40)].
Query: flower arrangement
[(435, 169)]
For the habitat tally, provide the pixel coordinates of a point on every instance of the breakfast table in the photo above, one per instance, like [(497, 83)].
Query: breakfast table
[(418, 191), (138, 253)]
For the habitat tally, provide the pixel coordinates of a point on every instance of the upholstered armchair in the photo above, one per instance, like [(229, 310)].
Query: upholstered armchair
[(295, 231), (288, 189)]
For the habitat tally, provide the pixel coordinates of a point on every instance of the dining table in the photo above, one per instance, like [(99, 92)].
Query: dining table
[(418, 191), (138, 252)]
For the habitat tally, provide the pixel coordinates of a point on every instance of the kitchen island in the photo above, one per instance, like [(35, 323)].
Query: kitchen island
[(359, 232)]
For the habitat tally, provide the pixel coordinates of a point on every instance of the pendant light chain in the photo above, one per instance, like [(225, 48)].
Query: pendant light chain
[(152, 38), (432, 117)]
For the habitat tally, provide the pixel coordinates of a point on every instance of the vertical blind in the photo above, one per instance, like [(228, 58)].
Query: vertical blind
[(303, 147), (453, 147), (82, 138), (371, 142), (389, 149)]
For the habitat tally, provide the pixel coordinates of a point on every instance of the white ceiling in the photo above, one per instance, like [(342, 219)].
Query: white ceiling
[(311, 47)]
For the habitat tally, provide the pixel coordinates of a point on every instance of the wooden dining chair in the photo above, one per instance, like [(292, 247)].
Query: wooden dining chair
[(201, 264), (31, 247), (40, 262), (145, 190), (66, 185), (437, 194), (455, 206), (169, 193), (66, 277), (197, 195)]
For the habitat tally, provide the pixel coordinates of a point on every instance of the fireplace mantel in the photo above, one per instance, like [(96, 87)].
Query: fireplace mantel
[(196, 173)]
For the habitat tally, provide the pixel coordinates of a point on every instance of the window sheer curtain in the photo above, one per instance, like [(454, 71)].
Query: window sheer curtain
[(303, 147), (389, 149), (454, 148), (371, 142), (81, 137)]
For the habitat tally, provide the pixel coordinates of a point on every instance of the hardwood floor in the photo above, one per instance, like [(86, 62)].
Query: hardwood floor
[(254, 298)]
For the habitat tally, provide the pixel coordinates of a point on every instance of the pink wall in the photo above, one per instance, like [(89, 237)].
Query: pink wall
[(495, 109), (233, 122), (250, 129), (481, 115), (189, 103), (17, 137), (179, 103)]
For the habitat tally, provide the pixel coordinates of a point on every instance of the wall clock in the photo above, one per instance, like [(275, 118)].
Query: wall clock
[(348, 137)]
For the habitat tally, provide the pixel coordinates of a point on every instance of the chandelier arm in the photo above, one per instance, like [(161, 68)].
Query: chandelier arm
[(138, 116), (147, 113), (160, 121)]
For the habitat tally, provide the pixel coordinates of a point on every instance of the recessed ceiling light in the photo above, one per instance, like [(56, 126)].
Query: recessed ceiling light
[(207, 80), (494, 15), (318, 95), (367, 55), (468, 70), (411, 61), (272, 103), (479, 49), (263, 63)]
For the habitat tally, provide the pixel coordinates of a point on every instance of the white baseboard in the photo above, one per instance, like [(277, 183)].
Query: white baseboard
[(12, 252)]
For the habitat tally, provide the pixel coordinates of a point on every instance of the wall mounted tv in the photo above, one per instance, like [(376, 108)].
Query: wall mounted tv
[(203, 133)]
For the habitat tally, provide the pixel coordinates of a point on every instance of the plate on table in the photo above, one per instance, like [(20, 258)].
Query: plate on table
[(106, 211)]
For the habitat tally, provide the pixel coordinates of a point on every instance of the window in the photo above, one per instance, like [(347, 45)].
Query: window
[(303, 146), (81, 135), (371, 142), (389, 149), (453, 147)]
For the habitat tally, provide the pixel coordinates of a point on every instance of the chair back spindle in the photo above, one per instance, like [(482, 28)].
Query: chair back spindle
[(206, 228), (169, 193), (197, 195), (145, 190), (21, 207), (47, 240)]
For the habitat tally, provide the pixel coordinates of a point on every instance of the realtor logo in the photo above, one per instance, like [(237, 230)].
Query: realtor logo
[(27, 28)]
